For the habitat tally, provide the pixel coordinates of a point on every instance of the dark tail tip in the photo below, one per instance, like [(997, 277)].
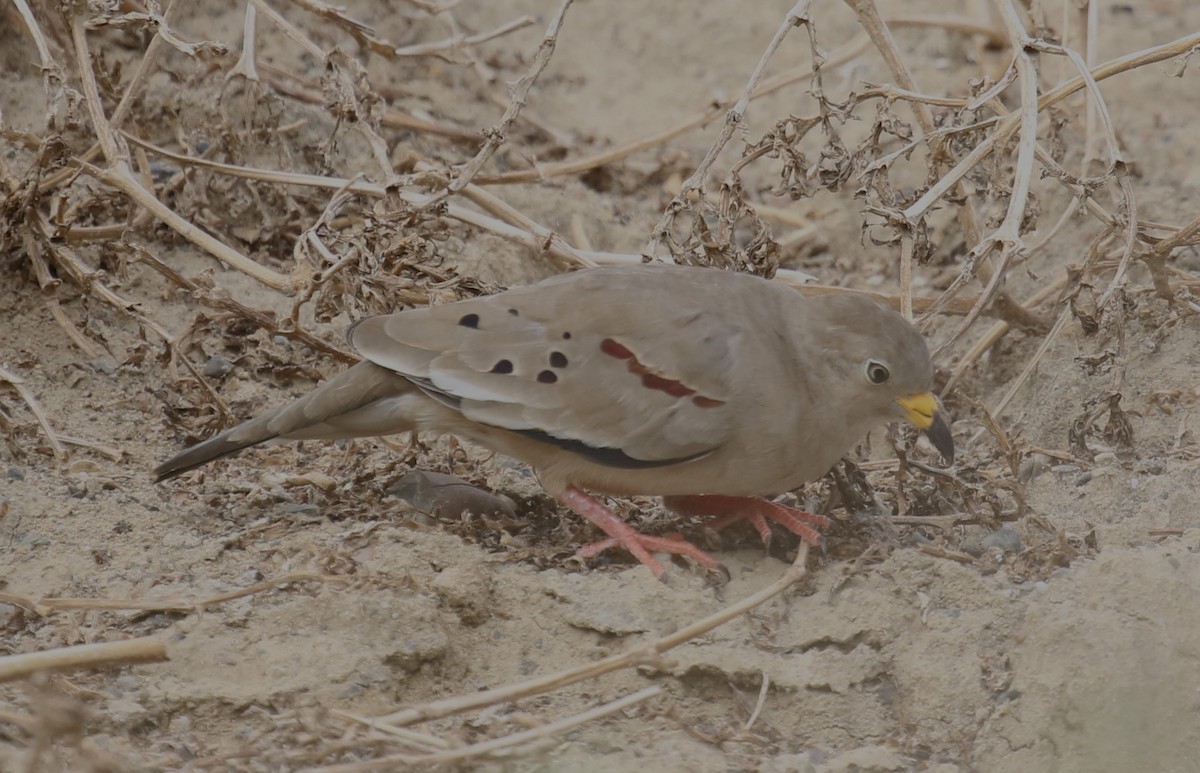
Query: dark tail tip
[(201, 454)]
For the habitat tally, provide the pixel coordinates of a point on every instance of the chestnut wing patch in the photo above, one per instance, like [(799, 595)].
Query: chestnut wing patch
[(610, 387), (652, 380)]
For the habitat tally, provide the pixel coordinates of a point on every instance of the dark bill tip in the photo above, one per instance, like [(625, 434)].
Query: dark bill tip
[(943, 441)]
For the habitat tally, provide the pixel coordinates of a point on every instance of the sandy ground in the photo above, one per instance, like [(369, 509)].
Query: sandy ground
[(1062, 638)]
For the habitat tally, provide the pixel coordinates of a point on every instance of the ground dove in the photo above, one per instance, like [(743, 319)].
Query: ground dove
[(706, 387)]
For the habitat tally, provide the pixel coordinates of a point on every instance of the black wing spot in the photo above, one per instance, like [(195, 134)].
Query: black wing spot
[(503, 366), (514, 312), (558, 360), (566, 335), (469, 320), (547, 377)]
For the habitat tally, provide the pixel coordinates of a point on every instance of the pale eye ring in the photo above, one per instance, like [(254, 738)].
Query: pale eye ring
[(877, 372)]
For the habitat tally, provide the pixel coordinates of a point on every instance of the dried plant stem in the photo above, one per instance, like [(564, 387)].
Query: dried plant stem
[(432, 8), (536, 237), (999, 330), (31, 402), (543, 172), (144, 67), (146, 649), (519, 93), (1008, 125), (906, 262), (841, 55), (247, 62), (1187, 235), (1091, 34), (110, 145), (70, 264), (50, 68), (119, 175), (1131, 234), (1008, 235), (961, 24), (402, 733), (940, 552), (286, 84), (796, 17), (262, 319), (531, 235), (87, 347), (1028, 149), (496, 744), (46, 605), (109, 452), (632, 657), (1063, 317), (882, 38), (763, 688), (437, 47), (290, 30), (547, 241)]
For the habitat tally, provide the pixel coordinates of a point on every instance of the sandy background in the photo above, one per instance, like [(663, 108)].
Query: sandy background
[(1064, 636)]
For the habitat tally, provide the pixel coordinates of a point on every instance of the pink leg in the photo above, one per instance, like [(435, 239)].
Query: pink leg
[(757, 511), (623, 535)]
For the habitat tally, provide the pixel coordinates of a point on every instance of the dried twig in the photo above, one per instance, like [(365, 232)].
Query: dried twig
[(796, 17), (496, 744), (147, 649), (1007, 126), (46, 605), (628, 659), (439, 47), (518, 93), (18, 383)]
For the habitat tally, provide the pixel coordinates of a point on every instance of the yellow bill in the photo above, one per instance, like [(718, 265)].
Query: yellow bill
[(922, 410)]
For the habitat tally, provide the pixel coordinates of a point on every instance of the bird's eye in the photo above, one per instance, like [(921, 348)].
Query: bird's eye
[(877, 372)]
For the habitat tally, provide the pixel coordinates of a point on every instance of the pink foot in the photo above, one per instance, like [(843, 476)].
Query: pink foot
[(625, 536), (757, 511)]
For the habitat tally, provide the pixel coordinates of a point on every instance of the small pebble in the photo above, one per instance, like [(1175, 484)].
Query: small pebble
[(300, 509), (162, 172), (1108, 457), (16, 473), (1035, 465), (128, 683), (217, 366), (1083, 479), (103, 366), (1063, 469), (1153, 466), (1004, 538)]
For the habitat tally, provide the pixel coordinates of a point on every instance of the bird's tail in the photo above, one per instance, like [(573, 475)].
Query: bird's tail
[(363, 401)]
